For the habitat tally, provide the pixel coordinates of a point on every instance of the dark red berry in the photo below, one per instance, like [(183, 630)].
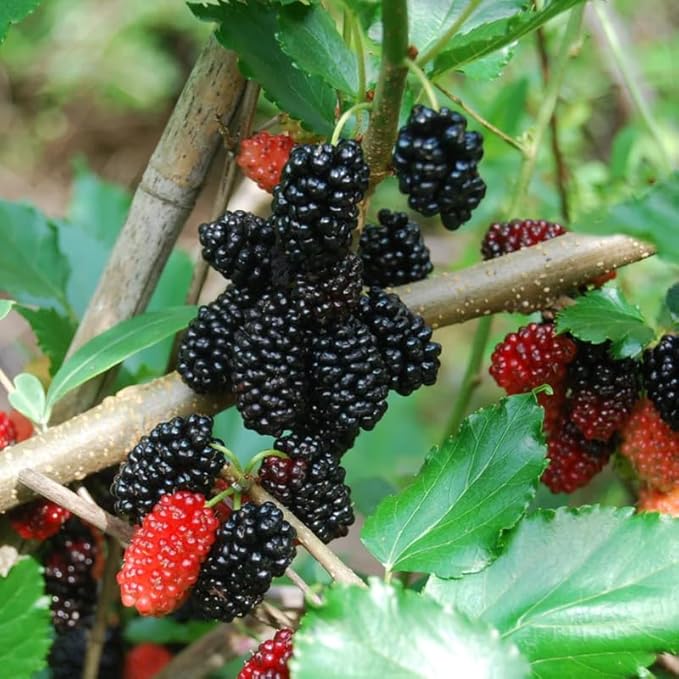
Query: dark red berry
[(38, 520), (144, 661), (270, 660), (505, 237)]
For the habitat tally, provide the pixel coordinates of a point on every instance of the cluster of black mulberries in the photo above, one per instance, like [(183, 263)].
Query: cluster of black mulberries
[(660, 372)]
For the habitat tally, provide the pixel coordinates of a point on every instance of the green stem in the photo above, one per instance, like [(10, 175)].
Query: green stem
[(345, 117), (237, 497), (443, 41), (427, 87), (259, 457), (621, 61), (220, 497), (359, 45), (231, 457), (381, 135), (546, 108), (471, 376)]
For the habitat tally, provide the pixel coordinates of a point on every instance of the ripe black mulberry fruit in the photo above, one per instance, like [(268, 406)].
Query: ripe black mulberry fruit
[(204, 359), (239, 246), (176, 455), (661, 378), (436, 159), (269, 371), (349, 378), (252, 547), (308, 441), (394, 252), (67, 654), (315, 206), (403, 340)]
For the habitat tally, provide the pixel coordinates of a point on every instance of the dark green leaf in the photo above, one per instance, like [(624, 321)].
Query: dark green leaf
[(651, 217), (53, 332), (165, 631), (449, 520), (384, 631), (14, 11), (6, 306), (672, 299), (25, 623), (28, 398), (582, 593), (115, 345), (308, 35), (494, 34), (32, 266), (605, 314), (250, 30)]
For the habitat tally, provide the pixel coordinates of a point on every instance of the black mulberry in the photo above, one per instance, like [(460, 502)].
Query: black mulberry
[(661, 378)]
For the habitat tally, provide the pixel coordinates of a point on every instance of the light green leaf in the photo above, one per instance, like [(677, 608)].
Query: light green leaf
[(5, 307), (492, 65), (14, 11), (53, 332), (449, 520), (605, 314), (586, 593), (32, 266), (491, 35), (28, 398), (651, 217), (25, 623), (385, 631), (115, 345), (308, 35), (250, 30)]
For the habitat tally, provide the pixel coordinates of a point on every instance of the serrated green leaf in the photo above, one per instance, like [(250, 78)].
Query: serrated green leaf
[(53, 331), (14, 11), (672, 300), (605, 314), (250, 30), (115, 345), (385, 631), (492, 65), (165, 630), (32, 266), (6, 306), (25, 622), (582, 593), (651, 217), (308, 35), (28, 398), (491, 35), (449, 520)]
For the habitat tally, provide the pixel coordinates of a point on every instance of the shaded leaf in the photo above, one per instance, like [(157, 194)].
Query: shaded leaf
[(28, 398), (5, 307), (449, 520), (605, 314), (165, 630), (382, 631), (53, 331), (115, 345), (582, 593), (250, 30), (25, 621), (14, 11)]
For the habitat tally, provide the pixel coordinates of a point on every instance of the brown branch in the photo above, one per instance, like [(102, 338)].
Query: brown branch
[(162, 202), (523, 281)]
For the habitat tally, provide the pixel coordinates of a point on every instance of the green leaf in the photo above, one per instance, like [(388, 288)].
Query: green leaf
[(5, 307), (32, 266), (28, 398), (250, 30), (25, 622), (582, 593), (493, 34), (385, 631), (605, 314), (53, 332), (651, 217), (672, 300), (308, 35), (115, 345), (449, 520), (165, 630), (14, 11), (492, 65)]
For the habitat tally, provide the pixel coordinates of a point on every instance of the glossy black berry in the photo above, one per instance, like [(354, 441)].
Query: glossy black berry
[(661, 378), (436, 159), (252, 547), (313, 490), (239, 246), (331, 294), (403, 340), (394, 252), (315, 205), (349, 379), (67, 654), (269, 370), (308, 441), (204, 359), (176, 455)]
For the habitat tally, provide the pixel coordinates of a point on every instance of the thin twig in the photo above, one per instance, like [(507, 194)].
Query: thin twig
[(107, 595), (6, 382), (303, 586), (271, 616)]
